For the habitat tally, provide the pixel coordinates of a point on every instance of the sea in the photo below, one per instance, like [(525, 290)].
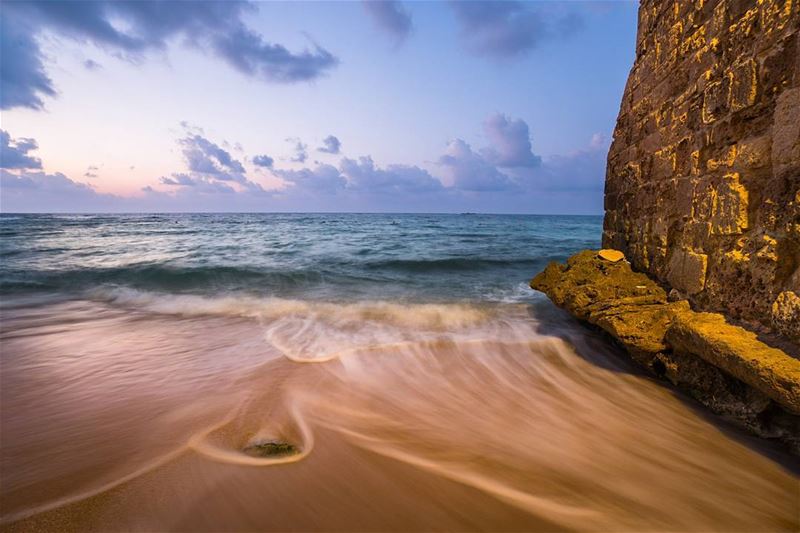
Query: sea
[(422, 385)]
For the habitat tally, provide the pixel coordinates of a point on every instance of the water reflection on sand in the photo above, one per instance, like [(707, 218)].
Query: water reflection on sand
[(132, 414)]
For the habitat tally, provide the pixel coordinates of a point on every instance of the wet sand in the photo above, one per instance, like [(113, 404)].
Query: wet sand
[(122, 416)]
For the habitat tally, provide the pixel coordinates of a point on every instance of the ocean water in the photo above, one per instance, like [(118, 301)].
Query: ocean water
[(424, 385), (344, 257)]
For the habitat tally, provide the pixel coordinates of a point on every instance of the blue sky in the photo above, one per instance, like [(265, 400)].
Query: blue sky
[(310, 106)]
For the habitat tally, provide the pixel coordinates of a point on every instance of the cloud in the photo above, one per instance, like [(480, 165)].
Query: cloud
[(508, 29), (324, 179), (263, 161), (250, 54), (91, 172), (201, 184), (91, 64), (14, 153), (581, 170), (178, 179), (510, 142), (210, 168), (363, 175), (331, 145), (390, 16), (130, 29), (206, 157), (57, 182), (357, 178), (35, 191), (300, 150), (508, 164), (23, 81), (598, 140), (469, 171), (214, 180)]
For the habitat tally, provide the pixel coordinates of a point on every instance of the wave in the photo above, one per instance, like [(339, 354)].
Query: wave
[(162, 277), (449, 278), (519, 293), (308, 331), (423, 315), (450, 264)]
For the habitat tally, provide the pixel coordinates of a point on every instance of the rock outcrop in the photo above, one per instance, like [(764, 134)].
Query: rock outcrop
[(271, 448), (703, 177), (722, 365)]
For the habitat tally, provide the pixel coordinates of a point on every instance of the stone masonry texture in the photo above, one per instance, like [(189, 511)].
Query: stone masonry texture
[(703, 179)]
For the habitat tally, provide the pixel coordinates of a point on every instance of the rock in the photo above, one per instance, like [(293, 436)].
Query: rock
[(717, 390), (687, 271), (702, 178), (270, 448), (786, 314), (611, 255), (723, 366), (739, 353), (639, 328), (675, 295), (626, 304), (729, 203)]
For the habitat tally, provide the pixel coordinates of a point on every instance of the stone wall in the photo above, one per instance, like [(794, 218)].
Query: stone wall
[(703, 178)]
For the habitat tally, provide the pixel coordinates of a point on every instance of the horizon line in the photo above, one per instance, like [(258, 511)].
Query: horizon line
[(455, 213)]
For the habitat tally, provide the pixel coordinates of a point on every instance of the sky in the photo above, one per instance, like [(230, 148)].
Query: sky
[(500, 107)]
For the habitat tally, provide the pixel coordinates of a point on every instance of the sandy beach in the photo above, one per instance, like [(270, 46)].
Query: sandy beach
[(508, 417)]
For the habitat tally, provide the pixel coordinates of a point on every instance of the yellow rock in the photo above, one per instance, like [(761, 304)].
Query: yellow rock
[(611, 255), (739, 353)]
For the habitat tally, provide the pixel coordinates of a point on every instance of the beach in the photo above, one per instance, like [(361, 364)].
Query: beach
[(423, 385)]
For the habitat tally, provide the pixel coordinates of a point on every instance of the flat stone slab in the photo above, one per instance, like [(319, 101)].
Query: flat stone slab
[(739, 353), (611, 255)]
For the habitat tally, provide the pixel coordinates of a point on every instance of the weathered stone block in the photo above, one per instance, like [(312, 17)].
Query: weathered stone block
[(786, 136), (786, 314), (687, 271), (744, 85), (743, 32), (715, 100), (755, 152), (684, 195), (729, 207), (723, 158), (779, 65)]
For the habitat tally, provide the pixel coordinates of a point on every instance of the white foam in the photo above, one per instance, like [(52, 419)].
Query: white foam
[(428, 316)]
